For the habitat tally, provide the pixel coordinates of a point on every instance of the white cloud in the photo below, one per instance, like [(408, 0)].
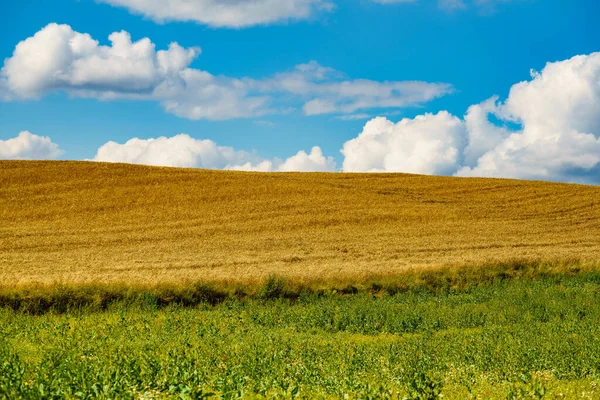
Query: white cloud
[(184, 151), (59, 59), (329, 91), (482, 135), (349, 96), (558, 112), (201, 95), (427, 144), (313, 161), (27, 146), (177, 151), (225, 13)]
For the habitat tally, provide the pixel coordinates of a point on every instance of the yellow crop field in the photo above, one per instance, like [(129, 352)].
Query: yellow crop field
[(94, 223)]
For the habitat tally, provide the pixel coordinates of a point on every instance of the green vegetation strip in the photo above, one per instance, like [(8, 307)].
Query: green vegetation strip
[(59, 298), (509, 338)]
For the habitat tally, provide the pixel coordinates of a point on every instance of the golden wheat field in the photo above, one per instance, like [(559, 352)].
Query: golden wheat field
[(95, 223)]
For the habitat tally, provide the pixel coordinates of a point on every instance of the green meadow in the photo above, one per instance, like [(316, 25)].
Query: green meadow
[(503, 339)]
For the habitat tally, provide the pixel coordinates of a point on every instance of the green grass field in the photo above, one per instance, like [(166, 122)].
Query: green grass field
[(507, 339)]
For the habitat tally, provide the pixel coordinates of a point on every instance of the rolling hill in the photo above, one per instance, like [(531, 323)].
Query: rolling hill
[(94, 223)]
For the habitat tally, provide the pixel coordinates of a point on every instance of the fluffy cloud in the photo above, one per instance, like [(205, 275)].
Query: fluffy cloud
[(313, 161), (557, 133), (230, 13), (176, 151), (482, 135), (185, 151), (559, 110), (428, 144), (59, 59), (27, 146)]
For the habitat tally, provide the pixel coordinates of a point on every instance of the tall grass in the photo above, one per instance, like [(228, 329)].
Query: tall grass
[(63, 298)]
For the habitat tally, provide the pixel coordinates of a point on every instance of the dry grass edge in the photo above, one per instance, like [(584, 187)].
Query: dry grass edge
[(60, 298)]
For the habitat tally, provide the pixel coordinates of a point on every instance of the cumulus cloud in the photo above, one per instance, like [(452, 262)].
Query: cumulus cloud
[(59, 59), (27, 146), (313, 161), (427, 144), (482, 135), (548, 128), (230, 13), (177, 151), (184, 151), (559, 110)]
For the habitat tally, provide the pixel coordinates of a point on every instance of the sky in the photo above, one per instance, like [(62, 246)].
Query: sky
[(491, 88)]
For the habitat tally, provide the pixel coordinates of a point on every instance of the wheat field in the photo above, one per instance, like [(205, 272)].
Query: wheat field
[(95, 223)]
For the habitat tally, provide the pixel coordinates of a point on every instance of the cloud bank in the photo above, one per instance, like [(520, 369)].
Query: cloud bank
[(557, 114), (57, 58), (547, 128), (229, 14), (27, 146), (184, 151)]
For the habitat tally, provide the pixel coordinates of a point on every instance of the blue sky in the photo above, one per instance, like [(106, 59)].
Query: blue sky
[(481, 49)]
